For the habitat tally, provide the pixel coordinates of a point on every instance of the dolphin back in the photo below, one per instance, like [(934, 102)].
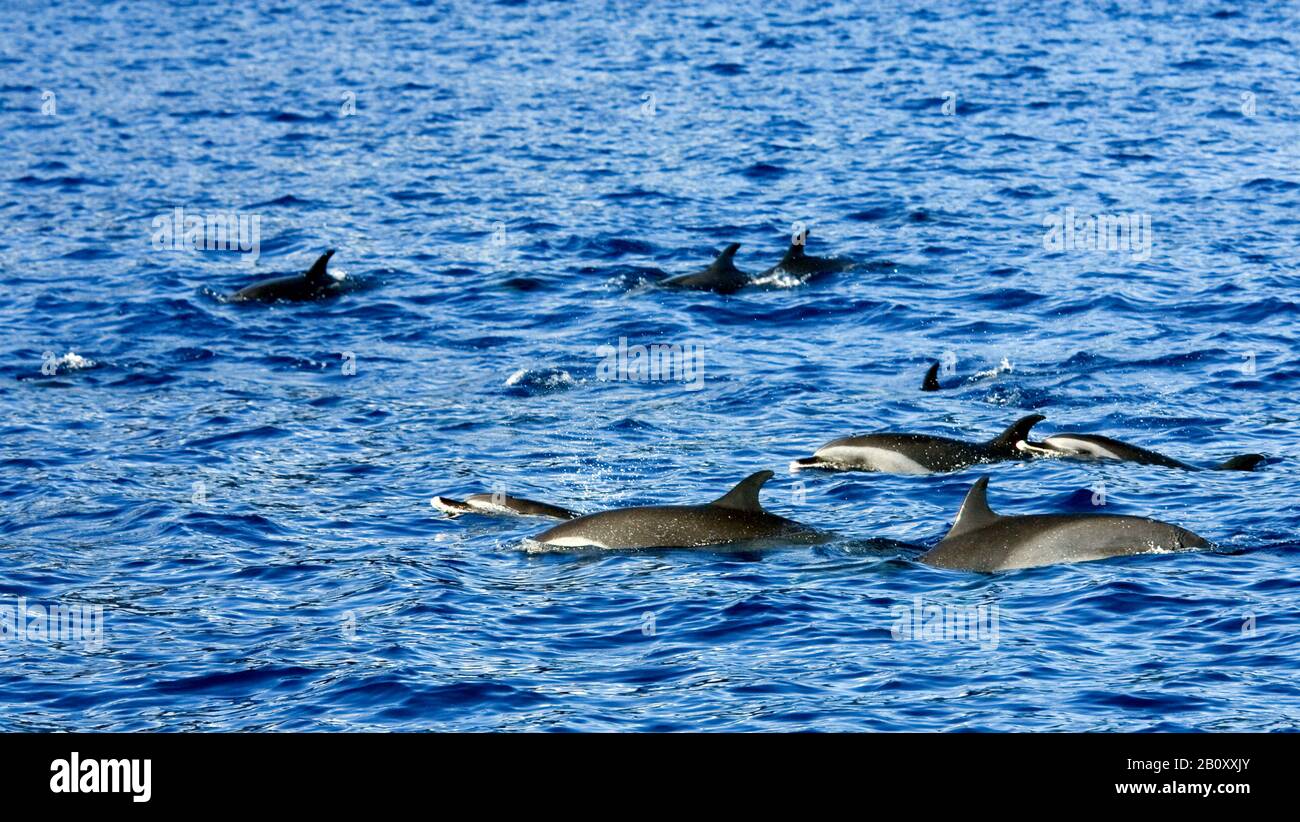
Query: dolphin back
[(736, 516), (313, 284), (1243, 462), (983, 541), (721, 276), (500, 505)]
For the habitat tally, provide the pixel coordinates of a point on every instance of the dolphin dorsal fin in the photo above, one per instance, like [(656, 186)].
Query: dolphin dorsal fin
[(931, 381), (318, 270), (795, 252), (1017, 431), (724, 260), (974, 512), (744, 497)]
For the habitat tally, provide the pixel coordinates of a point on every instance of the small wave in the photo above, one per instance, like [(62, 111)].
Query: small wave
[(764, 171), (69, 362), (725, 69), (779, 278), (531, 382), (1004, 367)]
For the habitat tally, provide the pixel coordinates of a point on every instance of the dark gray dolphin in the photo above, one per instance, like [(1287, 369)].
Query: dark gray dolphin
[(803, 266), (735, 517), (500, 505), (722, 276), (917, 453), (1097, 447), (981, 540), (313, 284)]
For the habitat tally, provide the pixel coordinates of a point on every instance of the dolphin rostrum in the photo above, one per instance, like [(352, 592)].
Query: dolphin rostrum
[(983, 541), (917, 453), (737, 516), (722, 276), (313, 284), (1097, 447)]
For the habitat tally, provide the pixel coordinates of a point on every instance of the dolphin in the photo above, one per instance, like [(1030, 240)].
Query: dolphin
[(917, 453), (931, 381), (736, 516), (804, 266), (722, 276), (313, 284), (500, 505), (983, 541), (1097, 447)]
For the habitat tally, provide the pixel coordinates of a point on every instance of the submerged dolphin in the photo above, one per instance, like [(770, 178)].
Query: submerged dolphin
[(804, 266), (1097, 447), (981, 540), (737, 516), (498, 505), (722, 276), (313, 284), (917, 453)]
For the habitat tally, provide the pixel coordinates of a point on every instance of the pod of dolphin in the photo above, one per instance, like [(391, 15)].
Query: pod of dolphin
[(979, 540)]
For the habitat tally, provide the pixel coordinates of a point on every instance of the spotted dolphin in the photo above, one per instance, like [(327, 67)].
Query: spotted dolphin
[(981, 540), (1097, 447), (722, 276), (735, 517), (314, 284), (917, 453)]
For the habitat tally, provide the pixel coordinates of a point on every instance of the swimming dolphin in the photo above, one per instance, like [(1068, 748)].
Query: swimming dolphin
[(313, 284), (917, 453), (500, 505), (722, 276), (737, 516), (981, 540), (1097, 447), (804, 266), (931, 381)]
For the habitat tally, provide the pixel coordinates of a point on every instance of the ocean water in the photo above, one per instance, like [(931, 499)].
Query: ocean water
[(504, 184)]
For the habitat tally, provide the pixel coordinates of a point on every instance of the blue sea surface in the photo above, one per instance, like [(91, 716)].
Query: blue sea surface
[(504, 185)]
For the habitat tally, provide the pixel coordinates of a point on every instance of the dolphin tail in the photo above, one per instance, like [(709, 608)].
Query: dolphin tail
[(1243, 462), (931, 381), (1019, 430), (318, 271)]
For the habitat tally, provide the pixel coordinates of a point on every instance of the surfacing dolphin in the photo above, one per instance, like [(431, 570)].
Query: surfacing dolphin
[(500, 505), (722, 276), (313, 284), (735, 517), (983, 541), (796, 263), (1097, 447), (917, 453)]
